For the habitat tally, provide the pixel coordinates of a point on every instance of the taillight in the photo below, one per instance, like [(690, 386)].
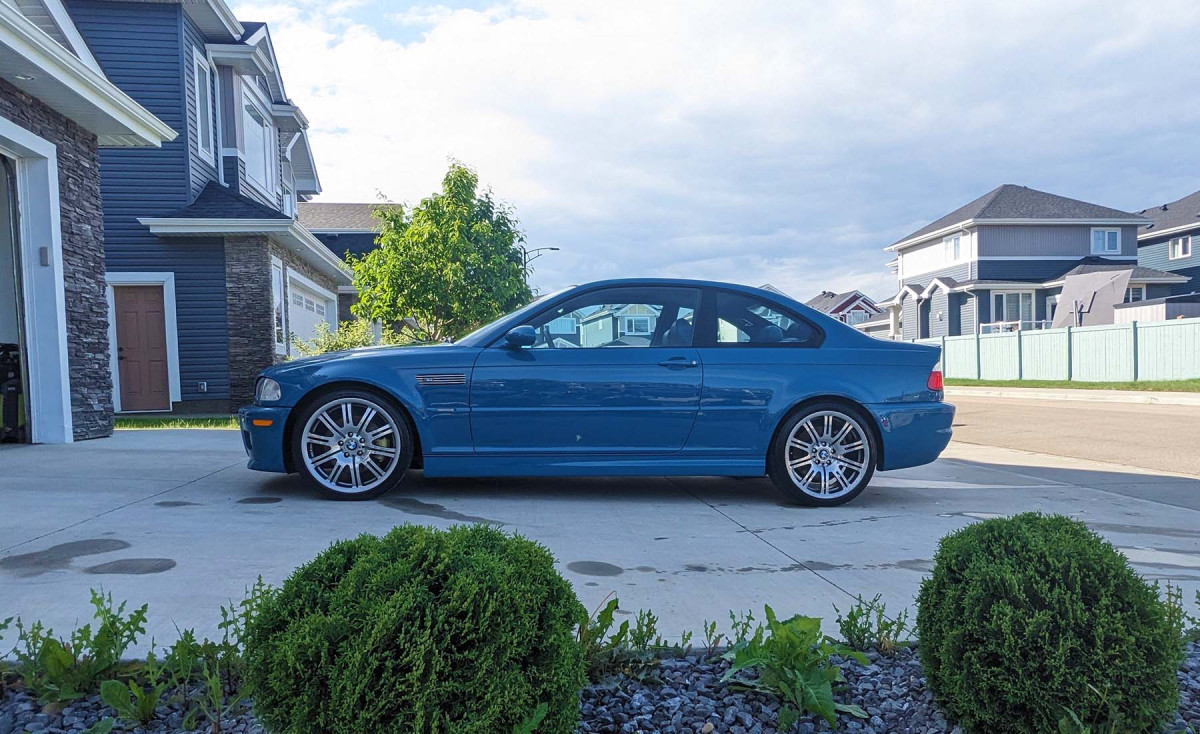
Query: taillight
[(935, 381)]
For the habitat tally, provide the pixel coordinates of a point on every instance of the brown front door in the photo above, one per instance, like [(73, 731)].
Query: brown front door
[(142, 347)]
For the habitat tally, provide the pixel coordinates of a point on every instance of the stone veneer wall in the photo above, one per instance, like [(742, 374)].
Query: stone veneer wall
[(248, 303), (248, 300), (82, 225)]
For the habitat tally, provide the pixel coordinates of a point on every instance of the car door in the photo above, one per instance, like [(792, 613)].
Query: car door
[(612, 371)]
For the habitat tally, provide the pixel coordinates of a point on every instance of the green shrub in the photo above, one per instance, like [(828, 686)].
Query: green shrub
[(867, 624), (1025, 618), (353, 334), (463, 631)]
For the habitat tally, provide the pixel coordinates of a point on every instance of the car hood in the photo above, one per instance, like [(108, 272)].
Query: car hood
[(431, 351)]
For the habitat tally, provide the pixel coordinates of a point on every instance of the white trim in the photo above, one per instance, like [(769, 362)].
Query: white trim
[(311, 285), (326, 230), (281, 347), (204, 147), (1106, 230), (966, 223), (1171, 251), (43, 296), (289, 230), (167, 281), (1154, 234), (120, 120), (1054, 257), (934, 284), (349, 290), (63, 20)]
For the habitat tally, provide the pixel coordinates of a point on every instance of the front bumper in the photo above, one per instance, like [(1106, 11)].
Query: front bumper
[(263, 437), (913, 433)]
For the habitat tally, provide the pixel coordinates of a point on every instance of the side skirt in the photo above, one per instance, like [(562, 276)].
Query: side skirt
[(576, 465)]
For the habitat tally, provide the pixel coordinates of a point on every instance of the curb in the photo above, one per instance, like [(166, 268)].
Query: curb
[(1090, 396)]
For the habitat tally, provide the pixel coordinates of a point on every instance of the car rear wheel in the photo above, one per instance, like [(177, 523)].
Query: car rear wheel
[(352, 445), (823, 456)]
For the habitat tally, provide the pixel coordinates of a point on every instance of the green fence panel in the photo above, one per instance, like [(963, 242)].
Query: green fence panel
[(998, 357), (1169, 350), (960, 358), (1044, 355), (1102, 353)]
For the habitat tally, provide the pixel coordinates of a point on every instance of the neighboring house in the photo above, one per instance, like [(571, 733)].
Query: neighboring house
[(345, 229), (630, 324), (999, 263), (209, 273), (58, 115), (851, 307), (1169, 242), (879, 326)]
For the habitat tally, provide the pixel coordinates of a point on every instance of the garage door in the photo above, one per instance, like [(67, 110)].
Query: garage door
[(306, 309)]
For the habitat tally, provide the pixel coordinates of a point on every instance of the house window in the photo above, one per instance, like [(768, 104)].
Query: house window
[(1180, 247), (953, 245), (256, 136), (637, 325), (204, 104), (1135, 293), (277, 302), (1106, 241), (289, 201), (856, 317), (1051, 306), (1014, 307)]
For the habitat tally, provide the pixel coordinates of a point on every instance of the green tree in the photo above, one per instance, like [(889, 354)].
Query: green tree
[(446, 266)]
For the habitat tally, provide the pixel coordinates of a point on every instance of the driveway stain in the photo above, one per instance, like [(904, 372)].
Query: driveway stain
[(428, 509), (133, 566), (595, 568), (58, 557), (176, 503), (695, 568), (259, 500)]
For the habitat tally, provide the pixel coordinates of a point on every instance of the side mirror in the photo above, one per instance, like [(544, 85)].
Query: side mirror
[(521, 336)]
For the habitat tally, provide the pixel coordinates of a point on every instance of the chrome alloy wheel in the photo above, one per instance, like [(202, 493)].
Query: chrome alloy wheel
[(827, 454), (350, 445)]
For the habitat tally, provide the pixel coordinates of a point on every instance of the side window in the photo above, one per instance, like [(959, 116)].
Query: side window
[(620, 317), (745, 319)]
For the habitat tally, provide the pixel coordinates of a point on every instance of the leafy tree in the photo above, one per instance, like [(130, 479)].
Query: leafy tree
[(446, 266)]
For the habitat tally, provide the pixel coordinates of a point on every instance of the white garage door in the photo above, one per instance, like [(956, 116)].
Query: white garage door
[(306, 309)]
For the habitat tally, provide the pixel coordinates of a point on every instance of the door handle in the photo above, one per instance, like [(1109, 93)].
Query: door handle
[(679, 363)]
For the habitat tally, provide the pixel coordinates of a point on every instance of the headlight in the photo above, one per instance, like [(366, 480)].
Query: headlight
[(268, 391)]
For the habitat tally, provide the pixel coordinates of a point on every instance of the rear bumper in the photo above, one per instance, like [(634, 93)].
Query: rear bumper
[(262, 437), (913, 433)]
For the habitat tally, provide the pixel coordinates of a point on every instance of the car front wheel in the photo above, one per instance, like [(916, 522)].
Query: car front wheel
[(352, 445), (823, 456)]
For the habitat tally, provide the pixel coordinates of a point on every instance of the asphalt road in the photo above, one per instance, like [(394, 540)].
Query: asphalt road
[(1161, 437)]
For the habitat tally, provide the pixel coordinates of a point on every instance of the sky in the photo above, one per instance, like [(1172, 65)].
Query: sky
[(753, 142)]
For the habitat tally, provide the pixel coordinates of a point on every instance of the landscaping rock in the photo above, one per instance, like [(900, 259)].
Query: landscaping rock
[(679, 696)]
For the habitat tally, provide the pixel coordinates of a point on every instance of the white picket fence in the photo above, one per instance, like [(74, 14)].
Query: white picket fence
[(1160, 350)]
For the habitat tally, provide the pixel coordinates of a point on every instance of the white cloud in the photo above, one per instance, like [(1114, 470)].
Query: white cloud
[(753, 141)]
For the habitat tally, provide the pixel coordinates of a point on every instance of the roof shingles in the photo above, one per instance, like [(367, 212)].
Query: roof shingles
[(1181, 213), (319, 216), (1011, 201)]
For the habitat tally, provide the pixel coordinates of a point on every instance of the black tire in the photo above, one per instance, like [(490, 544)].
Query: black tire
[(825, 459), (356, 457)]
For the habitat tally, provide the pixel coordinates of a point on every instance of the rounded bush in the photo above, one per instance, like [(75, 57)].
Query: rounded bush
[(462, 631), (1028, 616)]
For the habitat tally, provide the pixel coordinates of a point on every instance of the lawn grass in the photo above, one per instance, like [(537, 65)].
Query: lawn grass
[(1163, 386), (136, 422)]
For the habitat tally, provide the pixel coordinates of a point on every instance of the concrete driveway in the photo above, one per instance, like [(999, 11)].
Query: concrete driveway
[(173, 519)]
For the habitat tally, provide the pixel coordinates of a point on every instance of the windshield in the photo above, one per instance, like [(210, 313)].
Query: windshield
[(484, 333)]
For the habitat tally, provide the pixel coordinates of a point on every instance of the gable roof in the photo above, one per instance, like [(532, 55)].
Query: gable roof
[(324, 216), (218, 202), (828, 302), (1011, 201), (1178, 214)]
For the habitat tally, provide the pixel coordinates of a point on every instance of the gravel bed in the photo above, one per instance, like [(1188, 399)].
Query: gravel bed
[(683, 696)]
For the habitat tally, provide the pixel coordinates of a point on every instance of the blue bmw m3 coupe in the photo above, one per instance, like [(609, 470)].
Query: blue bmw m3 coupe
[(619, 377)]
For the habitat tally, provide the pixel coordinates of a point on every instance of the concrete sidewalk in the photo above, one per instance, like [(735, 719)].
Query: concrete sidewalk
[(173, 519), (1144, 397)]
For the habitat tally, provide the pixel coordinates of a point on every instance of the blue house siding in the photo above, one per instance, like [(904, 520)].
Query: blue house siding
[(939, 313), (1019, 240), (1032, 271), (139, 47), (1154, 254), (959, 272), (357, 243), (201, 168)]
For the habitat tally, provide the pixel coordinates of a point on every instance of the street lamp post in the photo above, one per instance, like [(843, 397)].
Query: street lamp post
[(528, 256)]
